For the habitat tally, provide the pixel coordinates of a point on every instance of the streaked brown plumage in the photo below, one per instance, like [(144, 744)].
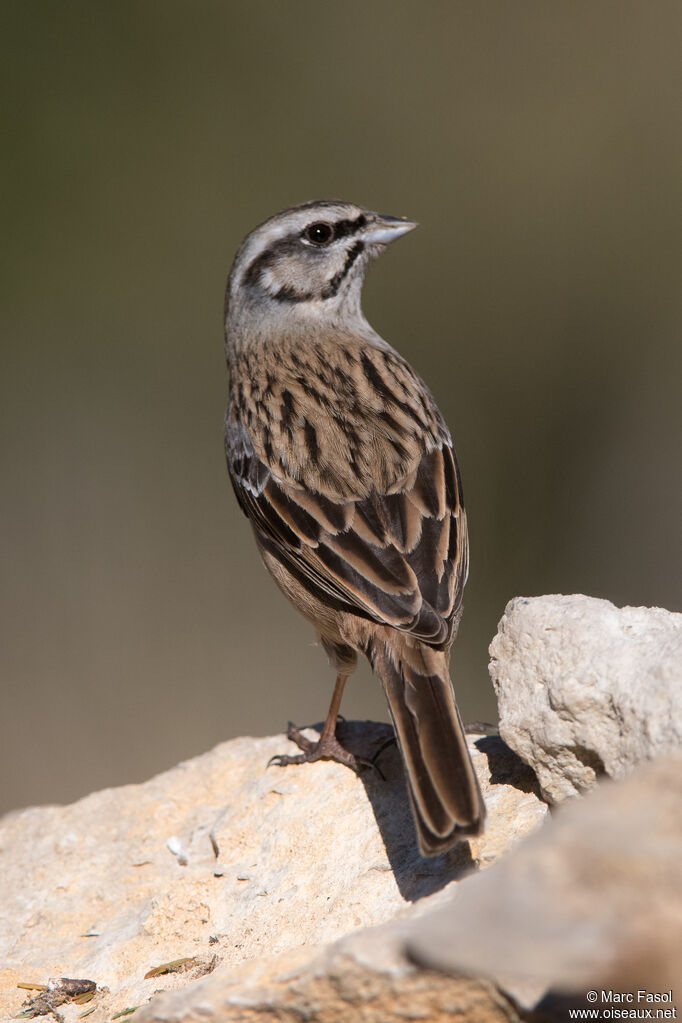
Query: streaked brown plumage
[(342, 462)]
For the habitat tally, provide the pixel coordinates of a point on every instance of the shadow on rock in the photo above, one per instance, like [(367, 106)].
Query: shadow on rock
[(506, 767), (415, 875)]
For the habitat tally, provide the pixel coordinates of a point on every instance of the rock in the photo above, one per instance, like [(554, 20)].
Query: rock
[(362, 978), (592, 900), (236, 873), (587, 689)]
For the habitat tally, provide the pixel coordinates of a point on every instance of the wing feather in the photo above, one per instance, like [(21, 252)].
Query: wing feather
[(400, 558)]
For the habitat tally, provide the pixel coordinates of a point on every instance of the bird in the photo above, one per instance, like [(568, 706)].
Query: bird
[(343, 464)]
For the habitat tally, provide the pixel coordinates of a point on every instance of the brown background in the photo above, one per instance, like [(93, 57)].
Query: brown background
[(540, 147)]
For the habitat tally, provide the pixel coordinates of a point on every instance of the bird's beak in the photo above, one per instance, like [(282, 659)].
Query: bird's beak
[(384, 229)]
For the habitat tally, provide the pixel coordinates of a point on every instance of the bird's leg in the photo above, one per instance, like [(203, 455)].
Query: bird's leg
[(328, 746)]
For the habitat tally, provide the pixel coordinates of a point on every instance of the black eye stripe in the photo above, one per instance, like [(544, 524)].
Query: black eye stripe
[(289, 245), (346, 227), (341, 228)]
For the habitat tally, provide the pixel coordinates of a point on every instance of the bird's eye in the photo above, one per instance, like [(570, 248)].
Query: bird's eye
[(319, 233)]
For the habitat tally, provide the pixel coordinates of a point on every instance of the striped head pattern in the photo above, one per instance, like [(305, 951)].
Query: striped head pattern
[(309, 260)]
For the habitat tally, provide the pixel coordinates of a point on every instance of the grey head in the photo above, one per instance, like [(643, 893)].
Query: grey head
[(307, 262)]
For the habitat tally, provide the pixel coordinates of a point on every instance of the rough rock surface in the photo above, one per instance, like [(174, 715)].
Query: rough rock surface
[(585, 688), (592, 900), (365, 977), (241, 870)]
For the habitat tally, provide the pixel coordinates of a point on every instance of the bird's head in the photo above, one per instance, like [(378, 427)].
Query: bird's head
[(309, 260)]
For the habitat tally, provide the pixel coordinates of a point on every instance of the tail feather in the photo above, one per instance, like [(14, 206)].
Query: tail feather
[(444, 792)]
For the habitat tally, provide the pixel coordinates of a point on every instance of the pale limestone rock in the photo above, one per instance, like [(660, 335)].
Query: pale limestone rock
[(592, 900), (587, 689), (245, 870), (362, 978)]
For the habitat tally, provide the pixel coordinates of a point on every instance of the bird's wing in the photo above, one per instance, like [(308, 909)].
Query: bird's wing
[(396, 553)]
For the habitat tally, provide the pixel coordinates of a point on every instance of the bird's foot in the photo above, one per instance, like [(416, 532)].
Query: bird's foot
[(327, 747)]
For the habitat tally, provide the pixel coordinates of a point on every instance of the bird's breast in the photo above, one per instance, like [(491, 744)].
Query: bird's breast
[(335, 415)]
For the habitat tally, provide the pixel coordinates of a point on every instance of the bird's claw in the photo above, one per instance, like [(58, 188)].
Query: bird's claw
[(327, 747)]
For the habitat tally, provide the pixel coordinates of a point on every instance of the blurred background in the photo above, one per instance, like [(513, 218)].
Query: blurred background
[(540, 147)]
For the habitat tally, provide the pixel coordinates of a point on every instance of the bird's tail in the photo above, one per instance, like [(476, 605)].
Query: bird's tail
[(444, 792)]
